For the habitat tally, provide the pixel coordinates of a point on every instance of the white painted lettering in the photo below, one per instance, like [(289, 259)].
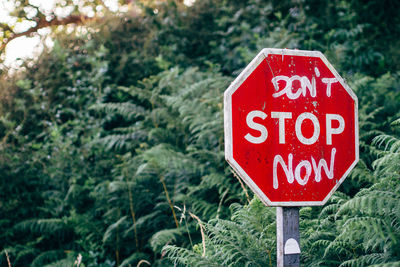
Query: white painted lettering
[(256, 126), (297, 172), (309, 167), (288, 170), (329, 82), (288, 89), (316, 70), (329, 130), (305, 84), (299, 134), (281, 116), (322, 164)]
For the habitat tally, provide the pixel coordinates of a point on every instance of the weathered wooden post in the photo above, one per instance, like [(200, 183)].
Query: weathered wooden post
[(288, 237)]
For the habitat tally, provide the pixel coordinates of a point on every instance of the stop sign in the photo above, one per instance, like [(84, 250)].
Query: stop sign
[(291, 127)]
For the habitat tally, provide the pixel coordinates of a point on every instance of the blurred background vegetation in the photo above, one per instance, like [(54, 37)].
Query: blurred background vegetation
[(111, 140)]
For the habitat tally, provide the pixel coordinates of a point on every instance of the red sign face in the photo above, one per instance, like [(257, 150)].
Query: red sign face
[(291, 127)]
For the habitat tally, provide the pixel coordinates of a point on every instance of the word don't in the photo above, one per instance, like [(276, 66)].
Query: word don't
[(305, 84)]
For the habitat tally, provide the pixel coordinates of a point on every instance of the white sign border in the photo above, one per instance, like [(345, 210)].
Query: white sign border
[(229, 133)]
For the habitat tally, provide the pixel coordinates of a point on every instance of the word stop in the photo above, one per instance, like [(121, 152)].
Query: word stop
[(282, 116)]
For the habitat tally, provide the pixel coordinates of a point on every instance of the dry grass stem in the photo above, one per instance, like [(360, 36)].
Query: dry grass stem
[(8, 259), (243, 186), (143, 261), (203, 236)]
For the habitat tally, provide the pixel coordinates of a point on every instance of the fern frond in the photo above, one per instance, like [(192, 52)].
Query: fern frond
[(337, 248), (321, 244), (375, 202), (362, 173), (120, 141), (110, 232), (185, 257), (127, 110), (70, 260), (48, 257), (391, 143), (134, 259), (142, 95), (51, 227), (165, 237), (23, 254), (396, 122), (388, 264), (365, 260)]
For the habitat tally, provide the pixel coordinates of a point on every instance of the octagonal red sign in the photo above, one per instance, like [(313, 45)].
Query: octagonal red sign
[(291, 127)]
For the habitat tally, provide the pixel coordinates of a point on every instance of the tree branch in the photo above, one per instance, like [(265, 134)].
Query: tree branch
[(43, 23)]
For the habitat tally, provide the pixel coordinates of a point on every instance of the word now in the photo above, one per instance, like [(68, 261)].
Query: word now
[(282, 116), (305, 84), (290, 176)]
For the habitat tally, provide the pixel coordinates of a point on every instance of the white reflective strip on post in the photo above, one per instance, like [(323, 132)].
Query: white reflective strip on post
[(291, 247)]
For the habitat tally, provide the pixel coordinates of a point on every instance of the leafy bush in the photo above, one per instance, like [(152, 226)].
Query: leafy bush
[(112, 140)]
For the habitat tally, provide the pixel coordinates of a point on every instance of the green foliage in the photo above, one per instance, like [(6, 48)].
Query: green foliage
[(111, 142), (245, 240)]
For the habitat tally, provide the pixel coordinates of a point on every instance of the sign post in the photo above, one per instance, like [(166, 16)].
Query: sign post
[(291, 133), (288, 236)]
